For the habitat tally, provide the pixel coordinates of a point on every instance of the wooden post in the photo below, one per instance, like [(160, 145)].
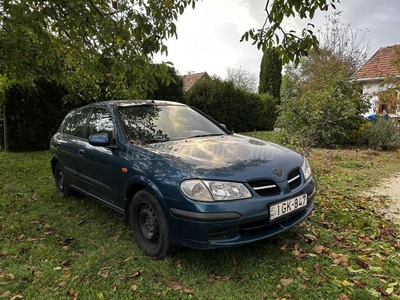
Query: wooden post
[(5, 128)]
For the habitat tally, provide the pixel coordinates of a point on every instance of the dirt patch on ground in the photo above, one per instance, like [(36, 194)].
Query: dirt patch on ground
[(390, 189)]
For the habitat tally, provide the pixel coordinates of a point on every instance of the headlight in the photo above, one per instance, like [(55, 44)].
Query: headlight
[(214, 190), (306, 169)]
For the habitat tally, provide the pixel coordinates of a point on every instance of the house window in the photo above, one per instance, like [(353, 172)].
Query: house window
[(388, 101)]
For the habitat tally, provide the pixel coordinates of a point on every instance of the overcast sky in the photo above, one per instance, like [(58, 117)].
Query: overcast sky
[(209, 36)]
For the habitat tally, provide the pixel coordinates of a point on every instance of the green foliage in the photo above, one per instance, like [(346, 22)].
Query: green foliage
[(93, 50), (291, 46), (33, 114), (323, 118), (171, 90), (239, 110), (271, 74), (320, 106), (382, 134), (267, 112)]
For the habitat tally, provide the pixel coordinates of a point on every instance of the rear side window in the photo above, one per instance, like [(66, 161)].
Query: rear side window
[(75, 123), (101, 121)]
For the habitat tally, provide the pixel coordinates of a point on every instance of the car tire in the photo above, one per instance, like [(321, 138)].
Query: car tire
[(149, 224), (62, 185)]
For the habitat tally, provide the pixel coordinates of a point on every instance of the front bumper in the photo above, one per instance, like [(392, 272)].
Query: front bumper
[(210, 230)]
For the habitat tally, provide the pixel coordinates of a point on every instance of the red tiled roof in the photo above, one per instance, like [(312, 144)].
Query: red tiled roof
[(381, 64), (191, 79)]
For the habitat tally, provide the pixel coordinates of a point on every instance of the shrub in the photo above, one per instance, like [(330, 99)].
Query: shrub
[(381, 134), (239, 110), (323, 118), (34, 113)]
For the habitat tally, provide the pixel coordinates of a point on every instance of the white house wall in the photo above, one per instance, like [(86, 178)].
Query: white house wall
[(371, 90)]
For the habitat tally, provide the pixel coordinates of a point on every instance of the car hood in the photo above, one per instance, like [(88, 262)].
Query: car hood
[(227, 157)]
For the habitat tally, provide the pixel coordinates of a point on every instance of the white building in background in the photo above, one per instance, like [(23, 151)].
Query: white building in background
[(380, 79)]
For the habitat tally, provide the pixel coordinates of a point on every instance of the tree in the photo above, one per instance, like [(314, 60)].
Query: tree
[(290, 45), (349, 45), (90, 47), (320, 105), (96, 49), (242, 78), (168, 90), (271, 74)]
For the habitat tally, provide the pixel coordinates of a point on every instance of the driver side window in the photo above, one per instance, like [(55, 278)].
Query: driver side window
[(101, 121)]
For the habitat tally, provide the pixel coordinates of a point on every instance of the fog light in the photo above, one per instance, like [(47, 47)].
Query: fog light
[(217, 234)]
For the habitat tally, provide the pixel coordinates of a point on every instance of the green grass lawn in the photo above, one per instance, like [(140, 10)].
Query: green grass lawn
[(77, 249)]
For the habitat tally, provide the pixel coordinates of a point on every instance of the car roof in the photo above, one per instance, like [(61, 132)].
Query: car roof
[(125, 103)]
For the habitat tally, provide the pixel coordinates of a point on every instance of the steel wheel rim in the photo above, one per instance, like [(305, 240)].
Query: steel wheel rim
[(60, 180), (148, 225)]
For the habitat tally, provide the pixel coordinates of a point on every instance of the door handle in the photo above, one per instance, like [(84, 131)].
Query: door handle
[(81, 152)]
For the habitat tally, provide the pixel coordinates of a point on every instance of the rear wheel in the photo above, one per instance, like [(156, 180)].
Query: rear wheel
[(62, 185), (149, 224)]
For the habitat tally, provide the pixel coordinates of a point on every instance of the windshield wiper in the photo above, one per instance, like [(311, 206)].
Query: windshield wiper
[(204, 135), (154, 141)]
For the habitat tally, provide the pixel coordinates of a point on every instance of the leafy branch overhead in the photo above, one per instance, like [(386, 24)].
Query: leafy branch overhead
[(291, 45), (86, 44)]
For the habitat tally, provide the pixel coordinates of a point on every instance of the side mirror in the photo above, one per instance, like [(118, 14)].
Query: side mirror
[(99, 139)]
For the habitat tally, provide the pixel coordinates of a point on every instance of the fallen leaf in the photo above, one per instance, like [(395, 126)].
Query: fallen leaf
[(226, 278), (133, 276), (310, 237), (317, 268), (125, 260), (319, 249), (35, 239), (174, 285), (72, 295), (103, 274), (5, 294), (343, 297), (382, 291), (66, 264), (17, 297), (340, 259), (359, 284), (286, 281), (362, 263), (188, 291)]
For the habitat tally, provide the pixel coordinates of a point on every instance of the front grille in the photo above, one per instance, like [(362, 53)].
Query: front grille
[(264, 187), (294, 179)]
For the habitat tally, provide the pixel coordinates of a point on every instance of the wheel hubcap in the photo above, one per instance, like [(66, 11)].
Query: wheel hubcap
[(148, 224), (60, 180)]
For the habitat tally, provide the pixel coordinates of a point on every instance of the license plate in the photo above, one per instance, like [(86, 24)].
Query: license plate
[(286, 207)]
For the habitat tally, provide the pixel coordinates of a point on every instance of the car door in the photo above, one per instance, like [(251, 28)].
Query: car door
[(68, 141), (99, 165)]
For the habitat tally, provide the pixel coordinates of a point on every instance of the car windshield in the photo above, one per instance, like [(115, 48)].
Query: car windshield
[(152, 124)]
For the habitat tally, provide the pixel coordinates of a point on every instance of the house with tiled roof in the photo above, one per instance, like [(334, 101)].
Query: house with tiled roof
[(374, 76), (190, 80)]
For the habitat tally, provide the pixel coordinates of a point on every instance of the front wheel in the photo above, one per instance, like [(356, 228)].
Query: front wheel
[(62, 185), (149, 225)]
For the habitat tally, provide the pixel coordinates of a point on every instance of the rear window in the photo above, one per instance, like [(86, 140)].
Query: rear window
[(74, 124)]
